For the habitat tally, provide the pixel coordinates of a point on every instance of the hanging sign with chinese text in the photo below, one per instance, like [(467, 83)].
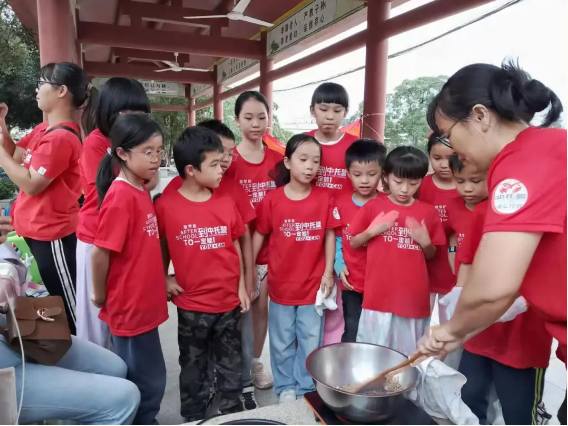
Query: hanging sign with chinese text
[(196, 89), (310, 19), (158, 88), (232, 66)]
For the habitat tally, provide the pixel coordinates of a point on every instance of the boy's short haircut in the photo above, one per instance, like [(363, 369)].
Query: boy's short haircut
[(456, 165), (191, 147), (220, 128), (365, 151), (330, 93)]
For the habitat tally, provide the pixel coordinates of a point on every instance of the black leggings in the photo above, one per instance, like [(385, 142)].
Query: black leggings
[(57, 264), (518, 390)]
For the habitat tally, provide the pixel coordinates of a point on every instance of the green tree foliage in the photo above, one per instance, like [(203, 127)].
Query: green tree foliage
[(173, 123), (19, 69), (405, 122)]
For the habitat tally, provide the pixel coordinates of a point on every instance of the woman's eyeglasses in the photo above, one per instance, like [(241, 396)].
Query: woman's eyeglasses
[(445, 140), (42, 82)]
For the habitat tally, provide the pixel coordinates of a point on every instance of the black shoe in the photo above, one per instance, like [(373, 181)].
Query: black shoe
[(237, 408), (194, 418), (247, 397)]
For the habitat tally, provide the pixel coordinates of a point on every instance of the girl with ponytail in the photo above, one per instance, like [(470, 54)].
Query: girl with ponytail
[(45, 166), (485, 114), (128, 280), (298, 219), (117, 96)]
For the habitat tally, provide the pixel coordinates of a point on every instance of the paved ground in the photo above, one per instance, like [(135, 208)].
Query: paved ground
[(554, 389)]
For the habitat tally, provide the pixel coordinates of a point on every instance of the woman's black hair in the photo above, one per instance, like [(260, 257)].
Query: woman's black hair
[(406, 162), (245, 96), (89, 116), (71, 76), (507, 90), (330, 93), (280, 174), (128, 131), (432, 140), (365, 151), (118, 95)]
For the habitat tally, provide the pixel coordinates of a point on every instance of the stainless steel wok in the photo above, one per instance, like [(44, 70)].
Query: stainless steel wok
[(348, 363)]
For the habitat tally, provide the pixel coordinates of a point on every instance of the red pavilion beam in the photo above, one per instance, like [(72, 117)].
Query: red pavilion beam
[(168, 41), (105, 69)]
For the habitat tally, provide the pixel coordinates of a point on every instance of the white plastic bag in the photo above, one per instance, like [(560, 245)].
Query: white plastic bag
[(439, 393), (447, 304), (326, 302)]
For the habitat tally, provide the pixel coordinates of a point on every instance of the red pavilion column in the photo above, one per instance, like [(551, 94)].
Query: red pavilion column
[(56, 32), (190, 112), (266, 65), (374, 104)]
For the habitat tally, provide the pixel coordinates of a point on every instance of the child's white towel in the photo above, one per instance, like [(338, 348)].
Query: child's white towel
[(327, 302)]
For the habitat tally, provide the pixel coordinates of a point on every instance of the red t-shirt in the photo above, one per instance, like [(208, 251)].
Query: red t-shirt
[(228, 187), (95, 147), (527, 187), (296, 251), (442, 280), (332, 173), (355, 258), (53, 213), (521, 343), (396, 278), (136, 286), (200, 240), (256, 183), (459, 221)]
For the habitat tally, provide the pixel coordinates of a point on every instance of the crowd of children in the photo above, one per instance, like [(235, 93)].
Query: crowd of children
[(248, 238)]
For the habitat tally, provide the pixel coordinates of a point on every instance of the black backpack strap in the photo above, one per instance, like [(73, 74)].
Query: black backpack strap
[(69, 129)]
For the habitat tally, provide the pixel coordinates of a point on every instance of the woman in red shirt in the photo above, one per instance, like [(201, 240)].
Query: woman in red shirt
[(484, 112), (46, 210), (118, 95)]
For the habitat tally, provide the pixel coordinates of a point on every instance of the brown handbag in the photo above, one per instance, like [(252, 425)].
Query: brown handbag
[(43, 326)]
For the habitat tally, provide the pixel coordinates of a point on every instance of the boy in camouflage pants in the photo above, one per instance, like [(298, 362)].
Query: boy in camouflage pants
[(200, 232)]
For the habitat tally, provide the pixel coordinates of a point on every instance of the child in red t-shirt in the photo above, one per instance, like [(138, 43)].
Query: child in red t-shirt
[(364, 159), (230, 187), (438, 189), (252, 161), (401, 233), (330, 103), (300, 221), (128, 281), (200, 232)]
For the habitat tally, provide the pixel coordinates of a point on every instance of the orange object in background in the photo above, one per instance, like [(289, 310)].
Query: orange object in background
[(352, 128), (274, 144)]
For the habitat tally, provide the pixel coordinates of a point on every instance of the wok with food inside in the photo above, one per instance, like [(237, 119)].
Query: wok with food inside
[(338, 368)]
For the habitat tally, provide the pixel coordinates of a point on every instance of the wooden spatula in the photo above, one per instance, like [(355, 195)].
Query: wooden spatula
[(378, 381)]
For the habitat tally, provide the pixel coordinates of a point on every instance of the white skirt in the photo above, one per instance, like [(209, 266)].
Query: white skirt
[(89, 326), (387, 329)]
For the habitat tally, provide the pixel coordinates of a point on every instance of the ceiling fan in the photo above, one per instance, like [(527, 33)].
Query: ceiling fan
[(174, 66), (236, 15)]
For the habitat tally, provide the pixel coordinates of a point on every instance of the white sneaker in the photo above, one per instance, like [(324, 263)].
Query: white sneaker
[(287, 395), (261, 378)]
